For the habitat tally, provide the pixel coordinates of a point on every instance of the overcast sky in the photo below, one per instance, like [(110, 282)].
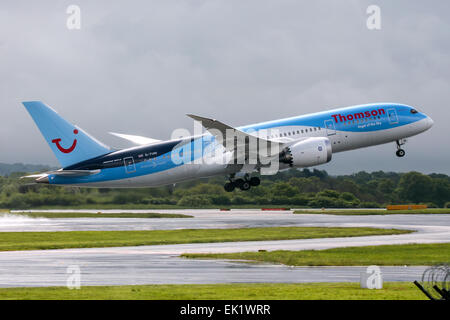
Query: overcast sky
[(138, 67)]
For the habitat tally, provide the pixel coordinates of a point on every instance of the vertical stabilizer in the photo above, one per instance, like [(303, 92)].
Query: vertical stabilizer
[(69, 143)]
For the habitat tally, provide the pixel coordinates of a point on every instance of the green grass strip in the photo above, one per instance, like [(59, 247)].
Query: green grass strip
[(264, 291), (372, 212), (97, 215), (392, 255), (90, 239)]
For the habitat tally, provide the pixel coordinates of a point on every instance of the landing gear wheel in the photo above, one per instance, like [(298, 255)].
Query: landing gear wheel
[(245, 185), (400, 153), (238, 183), (229, 187), (254, 181)]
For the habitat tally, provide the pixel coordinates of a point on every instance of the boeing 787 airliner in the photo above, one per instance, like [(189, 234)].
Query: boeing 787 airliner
[(238, 153)]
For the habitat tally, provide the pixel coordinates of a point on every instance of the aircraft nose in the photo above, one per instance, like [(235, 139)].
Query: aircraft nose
[(430, 122)]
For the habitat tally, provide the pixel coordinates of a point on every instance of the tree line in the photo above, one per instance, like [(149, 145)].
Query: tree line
[(294, 188)]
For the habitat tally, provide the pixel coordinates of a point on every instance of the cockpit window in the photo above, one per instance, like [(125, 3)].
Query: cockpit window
[(413, 111)]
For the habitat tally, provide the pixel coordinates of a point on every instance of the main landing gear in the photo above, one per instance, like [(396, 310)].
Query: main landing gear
[(400, 152), (243, 184)]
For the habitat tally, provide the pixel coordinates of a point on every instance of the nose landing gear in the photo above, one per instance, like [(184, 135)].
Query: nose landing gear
[(243, 184), (400, 152)]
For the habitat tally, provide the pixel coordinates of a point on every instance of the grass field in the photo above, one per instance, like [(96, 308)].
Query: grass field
[(393, 255), (357, 212), (264, 291), (105, 206), (97, 215), (90, 239)]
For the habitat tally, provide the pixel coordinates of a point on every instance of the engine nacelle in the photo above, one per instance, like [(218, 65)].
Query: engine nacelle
[(307, 153)]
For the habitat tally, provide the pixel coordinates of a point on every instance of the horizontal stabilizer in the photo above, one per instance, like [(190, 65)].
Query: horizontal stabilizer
[(35, 176), (140, 140), (43, 177), (73, 173)]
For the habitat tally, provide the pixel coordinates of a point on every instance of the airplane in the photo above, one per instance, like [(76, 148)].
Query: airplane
[(297, 142)]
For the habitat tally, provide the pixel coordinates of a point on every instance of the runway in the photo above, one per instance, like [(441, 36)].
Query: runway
[(162, 264), (125, 267), (220, 219)]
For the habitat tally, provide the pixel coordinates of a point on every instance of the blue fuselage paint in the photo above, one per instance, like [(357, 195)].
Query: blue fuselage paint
[(347, 128)]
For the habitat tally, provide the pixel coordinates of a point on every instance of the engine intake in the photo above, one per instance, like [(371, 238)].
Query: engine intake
[(307, 153)]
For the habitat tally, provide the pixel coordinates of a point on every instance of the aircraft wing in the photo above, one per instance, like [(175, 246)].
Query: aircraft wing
[(222, 132), (140, 140)]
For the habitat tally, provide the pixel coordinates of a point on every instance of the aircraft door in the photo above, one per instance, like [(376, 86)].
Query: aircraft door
[(130, 167), (392, 114), (329, 125)]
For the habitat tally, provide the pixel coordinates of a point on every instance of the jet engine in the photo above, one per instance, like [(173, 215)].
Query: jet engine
[(307, 153)]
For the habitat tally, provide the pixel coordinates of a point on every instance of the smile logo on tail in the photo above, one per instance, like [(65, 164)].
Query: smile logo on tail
[(63, 150)]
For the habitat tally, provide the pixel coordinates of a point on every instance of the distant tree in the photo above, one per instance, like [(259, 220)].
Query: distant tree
[(440, 191), (10, 189), (386, 186), (415, 187), (328, 193), (306, 185), (284, 189), (327, 202), (293, 187), (347, 196), (361, 177), (347, 185), (194, 201)]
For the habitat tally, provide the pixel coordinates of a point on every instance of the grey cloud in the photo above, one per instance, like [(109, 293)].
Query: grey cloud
[(138, 67)]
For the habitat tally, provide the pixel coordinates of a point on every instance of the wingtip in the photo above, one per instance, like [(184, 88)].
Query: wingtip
[(199, 118), (193, 116)]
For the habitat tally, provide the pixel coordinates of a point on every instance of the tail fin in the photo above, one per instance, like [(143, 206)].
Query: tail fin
[(69, 143)]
